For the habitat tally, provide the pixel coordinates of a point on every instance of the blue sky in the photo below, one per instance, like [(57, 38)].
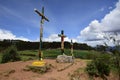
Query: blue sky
[(19, 21)]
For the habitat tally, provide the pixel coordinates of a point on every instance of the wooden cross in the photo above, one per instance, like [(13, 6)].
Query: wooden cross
[(43, 17), (41, 14), (72, 48), (62, 41)]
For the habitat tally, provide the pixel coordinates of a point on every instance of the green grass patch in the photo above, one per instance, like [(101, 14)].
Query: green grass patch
[(53, 53), (28, 52), (84, 54), (0, 57), (28, 55)]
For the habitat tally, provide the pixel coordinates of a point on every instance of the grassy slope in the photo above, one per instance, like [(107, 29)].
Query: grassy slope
[(53, 53)]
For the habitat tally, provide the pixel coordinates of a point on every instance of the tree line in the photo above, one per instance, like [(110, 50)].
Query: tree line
[(27, 45)]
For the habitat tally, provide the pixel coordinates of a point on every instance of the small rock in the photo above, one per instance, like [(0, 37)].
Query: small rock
[(64, 59)]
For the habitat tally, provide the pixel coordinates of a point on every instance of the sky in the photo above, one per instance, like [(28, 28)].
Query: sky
[(83, 21)]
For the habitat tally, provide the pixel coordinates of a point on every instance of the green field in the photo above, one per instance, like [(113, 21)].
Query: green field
[(53, 53)]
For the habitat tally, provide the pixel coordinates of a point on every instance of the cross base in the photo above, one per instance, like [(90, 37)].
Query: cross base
[(39, 63)]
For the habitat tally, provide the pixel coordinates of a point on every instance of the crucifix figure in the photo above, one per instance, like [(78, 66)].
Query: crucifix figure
[(62, 41), (41, 31)]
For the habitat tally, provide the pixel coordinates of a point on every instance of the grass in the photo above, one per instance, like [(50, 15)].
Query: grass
[(28, 52), (53, 53), (0, 57), (85, 54), (76, 75)]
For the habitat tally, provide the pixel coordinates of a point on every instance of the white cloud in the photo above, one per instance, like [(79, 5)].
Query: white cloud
[(54, 37), (5, 34), (22, 38), (111, 22), (91, 32)]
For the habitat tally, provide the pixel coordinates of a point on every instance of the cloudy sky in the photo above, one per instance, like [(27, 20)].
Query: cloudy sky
[(84, 21)]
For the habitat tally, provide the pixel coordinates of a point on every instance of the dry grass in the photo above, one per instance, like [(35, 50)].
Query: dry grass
[(36, 69), (7, 72)]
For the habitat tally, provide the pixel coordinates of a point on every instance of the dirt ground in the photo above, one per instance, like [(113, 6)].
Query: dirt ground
[(14, 71), (17, 73)]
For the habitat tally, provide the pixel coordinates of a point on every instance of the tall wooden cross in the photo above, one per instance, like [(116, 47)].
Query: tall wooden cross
[(72, 48), (62, 41), (43, 17)]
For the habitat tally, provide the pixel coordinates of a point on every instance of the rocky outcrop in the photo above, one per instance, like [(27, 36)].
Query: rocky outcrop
[(64, 59)]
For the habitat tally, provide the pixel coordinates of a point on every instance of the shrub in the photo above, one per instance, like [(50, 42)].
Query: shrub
[(92, 69), (10, 54), (103, 66), (99, 66)]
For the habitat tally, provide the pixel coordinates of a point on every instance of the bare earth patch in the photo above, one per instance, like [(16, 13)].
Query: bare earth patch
[(59, 71), (56, 73)]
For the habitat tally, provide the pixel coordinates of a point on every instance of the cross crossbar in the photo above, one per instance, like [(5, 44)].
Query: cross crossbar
[(41, 14)]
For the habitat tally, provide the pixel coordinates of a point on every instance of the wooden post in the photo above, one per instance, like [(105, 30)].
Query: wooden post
[(40, 54), (72, 49)]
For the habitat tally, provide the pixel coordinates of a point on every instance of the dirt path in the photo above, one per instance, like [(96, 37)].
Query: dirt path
[(14, 71), (63, 75)]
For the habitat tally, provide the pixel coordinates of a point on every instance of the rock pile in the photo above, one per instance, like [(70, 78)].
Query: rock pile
[(64, 59)]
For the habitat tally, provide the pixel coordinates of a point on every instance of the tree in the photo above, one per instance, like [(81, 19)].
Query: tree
[(114, 39), (10, 54), (101, 48)]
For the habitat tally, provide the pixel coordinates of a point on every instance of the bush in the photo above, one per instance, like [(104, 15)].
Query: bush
[(103, 66), (92, 69), (99, 66), (10, 54)]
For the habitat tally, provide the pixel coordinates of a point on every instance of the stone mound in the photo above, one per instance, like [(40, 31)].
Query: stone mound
[(64, 59)]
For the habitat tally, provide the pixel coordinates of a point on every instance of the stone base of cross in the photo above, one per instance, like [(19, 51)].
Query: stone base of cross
[(39, 63)]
